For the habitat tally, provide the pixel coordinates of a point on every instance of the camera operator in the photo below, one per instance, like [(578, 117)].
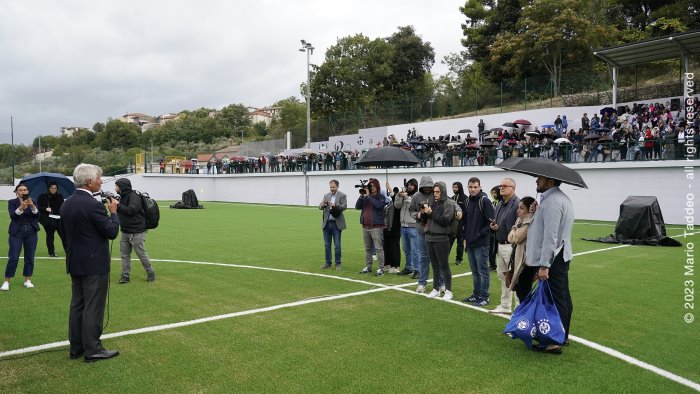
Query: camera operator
[(333, 222), (24, 225), (88, 231), (419, 201), (371, 203), (133, 221)]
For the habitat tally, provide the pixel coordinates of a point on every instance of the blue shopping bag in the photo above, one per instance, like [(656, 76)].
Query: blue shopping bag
[(537, 318), (522, 323), (550, 329)]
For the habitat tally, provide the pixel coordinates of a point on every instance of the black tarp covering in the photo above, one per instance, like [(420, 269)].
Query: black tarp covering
[(640, 223), (189, 201)]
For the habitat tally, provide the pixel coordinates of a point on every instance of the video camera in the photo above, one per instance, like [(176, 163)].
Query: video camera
[(108, 196), (364, 186)]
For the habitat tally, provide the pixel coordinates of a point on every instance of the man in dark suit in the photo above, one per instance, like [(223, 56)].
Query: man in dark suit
[(88, 230), (333, 223)]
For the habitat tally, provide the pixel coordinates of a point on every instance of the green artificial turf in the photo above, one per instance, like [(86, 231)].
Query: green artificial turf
[(629, 299)]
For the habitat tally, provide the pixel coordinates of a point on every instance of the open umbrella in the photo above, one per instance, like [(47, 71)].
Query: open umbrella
[(533, 134), (511, 125), (38, 184), (469, 138), (592, 136), (454, 144), (491, 137), (608, 110), (472, 146), (523, 122), (387, 156), (488, 144), (605, 138), (496, 129), (602, 130), (548, 126), (465, 131), (543, 167), (562, 140)]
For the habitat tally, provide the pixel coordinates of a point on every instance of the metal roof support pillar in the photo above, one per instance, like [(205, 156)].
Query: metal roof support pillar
[(614, 87), (686, 90)]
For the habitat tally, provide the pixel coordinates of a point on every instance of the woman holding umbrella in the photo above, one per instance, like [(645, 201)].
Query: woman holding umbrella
[(50, 205), (24, 225)]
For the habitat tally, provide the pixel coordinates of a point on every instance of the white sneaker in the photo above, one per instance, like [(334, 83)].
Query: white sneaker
[(500, 309), (393, 270), (448, 295), (28, 284), (434, 293), (5, 286), (419, 289)]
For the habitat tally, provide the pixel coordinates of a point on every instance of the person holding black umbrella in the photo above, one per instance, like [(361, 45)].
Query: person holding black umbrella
[(548, 250), (49, 205)]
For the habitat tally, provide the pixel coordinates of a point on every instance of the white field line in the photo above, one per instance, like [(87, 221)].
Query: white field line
[(378, 287)]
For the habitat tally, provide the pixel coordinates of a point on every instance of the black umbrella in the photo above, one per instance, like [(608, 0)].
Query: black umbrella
[(606, 138), (387, 156), (608, 110), (543, 167), (38, 184), (487, 144), (510, 124), (602, 130), (465, 131), (591, 136)]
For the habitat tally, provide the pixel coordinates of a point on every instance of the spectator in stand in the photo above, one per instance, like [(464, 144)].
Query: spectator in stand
[(564, 125), (585, 123), (558, 125), (595, 122)]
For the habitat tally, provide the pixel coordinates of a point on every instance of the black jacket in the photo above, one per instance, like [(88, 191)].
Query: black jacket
[(130, 209), (48, 200)]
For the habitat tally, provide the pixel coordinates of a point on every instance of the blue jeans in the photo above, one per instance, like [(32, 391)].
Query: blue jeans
[(423, 258), (331, 232), (479, 263), (409, 242), (24, 238)]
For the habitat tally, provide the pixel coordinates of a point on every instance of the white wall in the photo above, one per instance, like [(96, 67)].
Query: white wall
[(609, 184)]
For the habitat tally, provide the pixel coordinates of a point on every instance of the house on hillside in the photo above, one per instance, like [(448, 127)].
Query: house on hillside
[(69, 130), (265, 114), (144, 121)]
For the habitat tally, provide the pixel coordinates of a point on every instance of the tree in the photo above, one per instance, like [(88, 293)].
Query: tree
[(98, 127), (234, 117), (553, 34), (292, 117), (354, 71), (412, 59), (118, 134)]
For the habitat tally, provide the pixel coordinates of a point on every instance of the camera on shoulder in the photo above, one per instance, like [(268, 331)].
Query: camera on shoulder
[(364, 186), (108, 196)]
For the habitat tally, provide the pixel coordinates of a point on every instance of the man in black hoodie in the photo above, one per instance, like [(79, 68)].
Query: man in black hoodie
[(133, 224), (475, 237)]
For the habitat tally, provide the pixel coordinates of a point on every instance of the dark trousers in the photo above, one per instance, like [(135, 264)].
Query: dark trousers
[(460, 245), (558, 284), (392, 248), (26, 239), (439, 252), (87, 309), (51, 227), (331, 233)]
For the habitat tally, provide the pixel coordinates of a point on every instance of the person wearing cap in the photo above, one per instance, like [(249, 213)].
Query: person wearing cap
[(132, 217)]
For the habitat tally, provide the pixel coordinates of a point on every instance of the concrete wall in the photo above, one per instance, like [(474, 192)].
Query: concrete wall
[(609, 184)]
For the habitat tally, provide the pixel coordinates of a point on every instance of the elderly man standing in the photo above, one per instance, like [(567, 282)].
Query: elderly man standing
[(88, 229), (548, 250), (506, 215), (333, 223)]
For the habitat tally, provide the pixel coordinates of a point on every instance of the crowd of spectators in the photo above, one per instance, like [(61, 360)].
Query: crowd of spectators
[(652, 131)]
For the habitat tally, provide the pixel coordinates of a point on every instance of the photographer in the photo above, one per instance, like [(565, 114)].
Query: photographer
[(409, 236), (24, 225), (371, 203), (333, 222), (417, 203), (133, 222)]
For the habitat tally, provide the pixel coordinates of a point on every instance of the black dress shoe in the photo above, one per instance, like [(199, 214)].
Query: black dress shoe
[(415, 275), (74, 356), (406, 272), (104, 354), (52, 254)]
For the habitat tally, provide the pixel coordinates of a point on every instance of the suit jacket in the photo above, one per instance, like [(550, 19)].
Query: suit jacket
[(550, 230), (88, 230), (26, 217), (341, 203)]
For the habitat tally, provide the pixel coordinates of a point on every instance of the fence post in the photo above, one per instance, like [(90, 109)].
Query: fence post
[(501, 96), (526, 93)]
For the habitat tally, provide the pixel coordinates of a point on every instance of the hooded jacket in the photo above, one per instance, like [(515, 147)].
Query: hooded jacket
[(405, 203), (475, 224), (130, 209), (437, 227), (372, 207), (419, 198)]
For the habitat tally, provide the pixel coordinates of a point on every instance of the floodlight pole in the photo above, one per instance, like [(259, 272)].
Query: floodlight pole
[(309, 49)]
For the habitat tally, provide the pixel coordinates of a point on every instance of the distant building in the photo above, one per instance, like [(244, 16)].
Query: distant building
[(265, 114), (144, 121), (68, 131), (165, 118)]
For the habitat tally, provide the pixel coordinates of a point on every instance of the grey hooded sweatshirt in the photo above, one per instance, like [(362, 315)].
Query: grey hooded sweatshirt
[(419, 198), (437, 227)]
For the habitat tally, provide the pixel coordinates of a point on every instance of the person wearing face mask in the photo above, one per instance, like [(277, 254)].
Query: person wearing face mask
[(24, 224), (49, 205)]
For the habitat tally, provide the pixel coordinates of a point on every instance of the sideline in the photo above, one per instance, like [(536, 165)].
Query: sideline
[(376, 287)]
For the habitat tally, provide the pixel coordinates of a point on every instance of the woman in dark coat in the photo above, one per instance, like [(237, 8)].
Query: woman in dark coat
[(50, 204), (24, 225)]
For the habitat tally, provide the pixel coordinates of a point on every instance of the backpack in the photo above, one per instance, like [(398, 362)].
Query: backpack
[(151, 210)]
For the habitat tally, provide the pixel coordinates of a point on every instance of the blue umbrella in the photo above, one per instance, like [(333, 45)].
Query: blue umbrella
[(548, 126), (38, 184)]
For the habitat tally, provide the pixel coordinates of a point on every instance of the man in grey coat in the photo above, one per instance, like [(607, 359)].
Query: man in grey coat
[(548, 250), (333, 223)]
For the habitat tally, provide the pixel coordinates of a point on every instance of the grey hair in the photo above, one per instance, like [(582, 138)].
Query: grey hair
[(84, 173), (511, 180)]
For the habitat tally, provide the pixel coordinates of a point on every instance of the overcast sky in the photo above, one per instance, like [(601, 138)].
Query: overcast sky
[(74, 63)]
